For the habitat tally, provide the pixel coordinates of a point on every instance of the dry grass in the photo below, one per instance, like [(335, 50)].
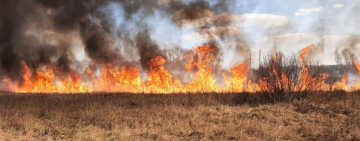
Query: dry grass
[(179, 117)]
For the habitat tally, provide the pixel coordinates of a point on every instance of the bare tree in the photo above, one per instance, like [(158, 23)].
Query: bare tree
[(174, 53)]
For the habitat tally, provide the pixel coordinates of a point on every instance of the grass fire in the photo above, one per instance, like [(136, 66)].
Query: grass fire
[(179, 70), (281, 76)]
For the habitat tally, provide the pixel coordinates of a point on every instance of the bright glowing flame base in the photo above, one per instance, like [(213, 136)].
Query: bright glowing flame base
[(160, 81)]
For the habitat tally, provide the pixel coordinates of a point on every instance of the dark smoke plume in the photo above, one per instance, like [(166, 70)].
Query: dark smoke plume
[(147, 49), (190, 12), (42, 32)]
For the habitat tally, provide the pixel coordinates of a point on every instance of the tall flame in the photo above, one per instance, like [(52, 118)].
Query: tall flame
[(160, 80), (307, 82)]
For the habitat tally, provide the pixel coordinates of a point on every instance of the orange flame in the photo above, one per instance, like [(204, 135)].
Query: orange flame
[(307, 82), (160, 80), (127, 79)]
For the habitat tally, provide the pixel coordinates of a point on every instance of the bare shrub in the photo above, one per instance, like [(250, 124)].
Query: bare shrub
[(281, 76), (278, 74)]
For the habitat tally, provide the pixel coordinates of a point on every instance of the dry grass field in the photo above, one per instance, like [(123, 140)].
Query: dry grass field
[(317, 116)]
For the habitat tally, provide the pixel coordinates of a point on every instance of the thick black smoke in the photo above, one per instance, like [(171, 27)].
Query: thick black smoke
[(147, 48), (13, 15), (42, 32)]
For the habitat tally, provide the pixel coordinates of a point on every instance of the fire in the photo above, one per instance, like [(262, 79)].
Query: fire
[(307, 82), (277, 81), (303, 53), (44, 82), (342, 85), (202, 80), (159, 80), (357, 67), (127, 79)]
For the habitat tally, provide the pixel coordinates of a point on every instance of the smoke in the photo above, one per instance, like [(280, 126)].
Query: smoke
[(125, 32), (147, 49), (43, 32), (190, 13)]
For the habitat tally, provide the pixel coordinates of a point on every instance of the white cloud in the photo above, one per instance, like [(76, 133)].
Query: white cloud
[(335, 6), (287, 43), (337, 37), (265, 20), (290, 37), (302, 12), (245, 20)]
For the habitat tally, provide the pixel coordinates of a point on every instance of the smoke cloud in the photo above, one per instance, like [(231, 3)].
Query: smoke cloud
[(128, 32)]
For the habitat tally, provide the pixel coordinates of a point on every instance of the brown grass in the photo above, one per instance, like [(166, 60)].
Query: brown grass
[(317, 116)]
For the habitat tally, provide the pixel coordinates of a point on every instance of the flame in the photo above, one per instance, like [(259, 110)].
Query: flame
[(277, 81), (159, 80), (357, 68), (127, 79), (203, 80), (303, 53), (342, 85), (238, 76), (307, 82)]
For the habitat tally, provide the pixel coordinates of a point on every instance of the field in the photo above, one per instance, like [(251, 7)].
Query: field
[(314, 116)]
